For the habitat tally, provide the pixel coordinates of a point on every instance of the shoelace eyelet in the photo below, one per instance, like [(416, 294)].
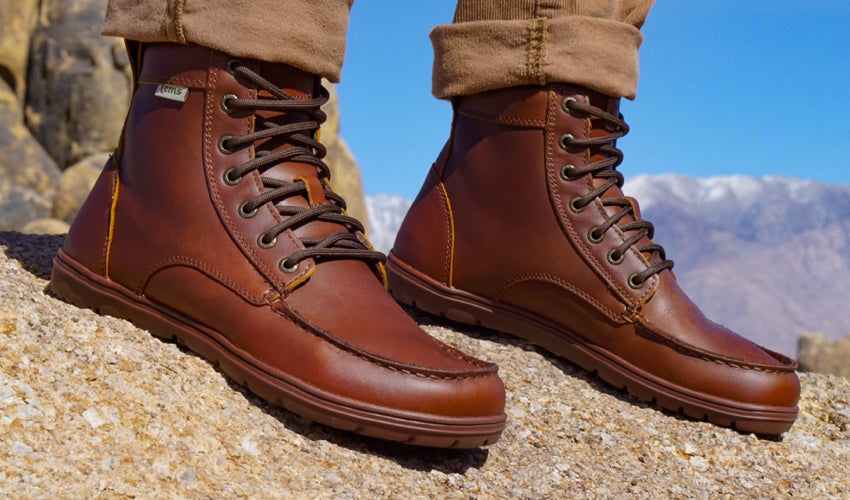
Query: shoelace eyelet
[(287, 269), (633, 282), (261, 241), (595, 236), (565, 104), (615, 261), (566, 172), (565, 141), (222, 148), (230, 64), (574, 206), (229, 179), (244, 213), (224, 106)]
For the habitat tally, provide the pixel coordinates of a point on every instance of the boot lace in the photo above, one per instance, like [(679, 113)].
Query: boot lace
[(303, 148), (606, 169)]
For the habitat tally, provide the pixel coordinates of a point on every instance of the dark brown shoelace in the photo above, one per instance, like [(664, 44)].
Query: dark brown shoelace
[(606, 168), (303, 148)]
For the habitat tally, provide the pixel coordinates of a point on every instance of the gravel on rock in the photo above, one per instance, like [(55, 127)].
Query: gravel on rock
[(92, 407)]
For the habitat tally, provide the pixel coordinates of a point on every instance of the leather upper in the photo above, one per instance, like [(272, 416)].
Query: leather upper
[(494, 219), (167, 226)]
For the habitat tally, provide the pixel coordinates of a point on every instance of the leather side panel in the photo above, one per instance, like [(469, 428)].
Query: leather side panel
[(424, 240), (88, 238)]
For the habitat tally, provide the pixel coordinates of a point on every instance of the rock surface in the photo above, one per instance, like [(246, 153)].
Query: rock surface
[(17, 22), (816, 353), (23, 161), (19, 205), (91, 406), (78, 84), (74, 186)]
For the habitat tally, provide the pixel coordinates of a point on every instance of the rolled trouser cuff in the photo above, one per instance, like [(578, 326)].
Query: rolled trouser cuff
[(476, 56), (307, 34)]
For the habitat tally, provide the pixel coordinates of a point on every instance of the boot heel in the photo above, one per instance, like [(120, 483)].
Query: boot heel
[(408, 287), (70, 285), (75, 284)]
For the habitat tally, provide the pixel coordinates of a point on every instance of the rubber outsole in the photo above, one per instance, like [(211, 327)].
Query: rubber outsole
[(415, 289), (77, 285)]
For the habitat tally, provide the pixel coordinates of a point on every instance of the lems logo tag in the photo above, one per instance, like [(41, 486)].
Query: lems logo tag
[(172, 92)]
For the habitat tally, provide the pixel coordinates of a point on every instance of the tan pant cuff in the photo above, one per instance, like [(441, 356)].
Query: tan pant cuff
[(242, 28), (476, 56)]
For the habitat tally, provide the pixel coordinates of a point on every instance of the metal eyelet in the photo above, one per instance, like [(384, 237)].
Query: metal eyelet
[(574, 206), (613, 261), (287, 269), (565, 141), (566, 170), (634, 284), (261, 240), (223, 149), (565, 102), (244, 213), (595, 238), (230, 64), (224, 106), (229, 179)]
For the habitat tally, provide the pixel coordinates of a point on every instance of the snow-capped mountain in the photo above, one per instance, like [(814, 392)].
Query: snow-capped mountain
[(768, 257), (386, 211)]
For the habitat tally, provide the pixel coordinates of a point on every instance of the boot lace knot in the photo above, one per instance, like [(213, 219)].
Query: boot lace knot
[(300, 136), (606, 169)]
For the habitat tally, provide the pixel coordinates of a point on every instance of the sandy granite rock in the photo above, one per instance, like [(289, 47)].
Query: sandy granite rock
[(816, 353), (23, 161), (74, 186), (47, 225), (78, 82), (17, 22), (92, 407), (19, 205)]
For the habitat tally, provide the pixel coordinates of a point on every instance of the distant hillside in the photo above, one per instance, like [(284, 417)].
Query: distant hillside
[(767, 257)]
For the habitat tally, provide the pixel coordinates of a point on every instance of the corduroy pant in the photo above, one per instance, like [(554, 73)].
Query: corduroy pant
[(491, 44)]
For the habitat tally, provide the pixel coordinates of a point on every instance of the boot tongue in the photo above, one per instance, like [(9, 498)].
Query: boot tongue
[(599, 128), (301, 86)]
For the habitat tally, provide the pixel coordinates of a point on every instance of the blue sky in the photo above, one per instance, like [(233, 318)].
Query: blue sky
[(754, 87)]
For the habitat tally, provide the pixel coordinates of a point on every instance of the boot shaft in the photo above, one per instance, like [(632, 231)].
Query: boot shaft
[(197, 118), (505, 176)]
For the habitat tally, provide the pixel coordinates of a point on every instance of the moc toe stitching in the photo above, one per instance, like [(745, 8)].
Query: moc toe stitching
[(783, 365), (477, 371)]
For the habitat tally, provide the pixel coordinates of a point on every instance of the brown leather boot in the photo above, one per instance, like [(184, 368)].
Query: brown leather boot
[(214, 224), (521, 226)]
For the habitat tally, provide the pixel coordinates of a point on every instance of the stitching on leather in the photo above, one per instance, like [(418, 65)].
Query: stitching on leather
[(309, 327), (461, 355), (506, 119), (110, 229), (154, 79), (548, 278), (623, 294), (201, 266), (700, 353), (113, 211), (208, 165), (449, 250), (555, 195)]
